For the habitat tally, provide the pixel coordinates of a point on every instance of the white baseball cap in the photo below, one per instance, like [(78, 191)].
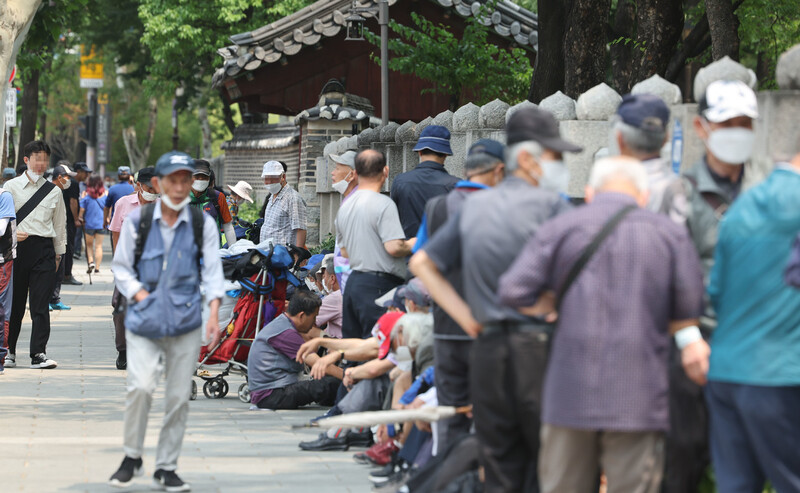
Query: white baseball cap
[(272, 168), (726, 99)]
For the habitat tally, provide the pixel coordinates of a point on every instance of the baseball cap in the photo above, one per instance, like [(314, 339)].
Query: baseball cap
[(202, 167), (145, 174), (383, 331), (415, 291), (726, 99), (346, 158), (436, 138), (123, 170), (81, 166), (539, 126), (174, 161), (272, 168), (646, 112), (9, 173), (60, 170), (488, 146), (389, 300)]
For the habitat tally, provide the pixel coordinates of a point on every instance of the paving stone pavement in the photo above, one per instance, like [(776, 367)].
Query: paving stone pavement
[(62, 428)]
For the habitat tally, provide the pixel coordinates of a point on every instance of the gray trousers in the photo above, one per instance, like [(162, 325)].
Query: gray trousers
[(570, 460), (147, 358)]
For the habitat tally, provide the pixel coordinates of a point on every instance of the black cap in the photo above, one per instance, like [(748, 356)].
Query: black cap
[(202, 167), (539, 126), (81, 166), (644, 111), (145, 174)]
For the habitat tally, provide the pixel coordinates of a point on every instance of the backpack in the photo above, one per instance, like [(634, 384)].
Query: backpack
[(146, 221)]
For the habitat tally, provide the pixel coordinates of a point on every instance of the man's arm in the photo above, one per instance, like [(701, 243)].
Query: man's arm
[(321, 368), (106, 215), (60, 225), (355, 349), (370, 370), (73, 207), (400, 248), (300, 237), (125, 277)]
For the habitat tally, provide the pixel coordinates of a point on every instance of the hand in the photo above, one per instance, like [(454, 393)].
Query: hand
[(213, 333), (320, 368), (58, 261), (21, 236), (310, 347), (473, 328), (78, 222), (140, 295), (348, 381), (544, 307), (694, 358), (382, 435)]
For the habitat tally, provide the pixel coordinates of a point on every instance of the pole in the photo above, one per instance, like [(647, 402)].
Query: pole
[(91, 147), (383, 20), (175, 124)]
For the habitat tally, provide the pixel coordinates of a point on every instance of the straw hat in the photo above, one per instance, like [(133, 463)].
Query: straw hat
[(242, 189)]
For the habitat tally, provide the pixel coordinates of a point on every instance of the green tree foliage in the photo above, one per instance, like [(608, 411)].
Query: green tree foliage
[(767, 28), (470, 66)]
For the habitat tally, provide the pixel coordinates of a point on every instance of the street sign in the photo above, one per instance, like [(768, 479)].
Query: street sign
[(103, 129), (11, 107), (91, 69)]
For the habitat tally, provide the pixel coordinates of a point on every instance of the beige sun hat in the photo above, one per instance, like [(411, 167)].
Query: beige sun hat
[(242, 189)]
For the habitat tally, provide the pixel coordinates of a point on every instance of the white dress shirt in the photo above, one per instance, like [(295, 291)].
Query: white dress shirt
[(48, 219), (125, 276)]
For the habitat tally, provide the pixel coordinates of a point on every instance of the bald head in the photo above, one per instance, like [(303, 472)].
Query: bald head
[(370, 164), (619, 174)]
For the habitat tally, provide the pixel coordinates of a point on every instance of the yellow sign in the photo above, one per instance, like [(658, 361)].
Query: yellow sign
[(91, 70), (102, 98)]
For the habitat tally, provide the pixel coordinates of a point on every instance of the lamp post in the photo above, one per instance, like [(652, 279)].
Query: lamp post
[(355, 32)]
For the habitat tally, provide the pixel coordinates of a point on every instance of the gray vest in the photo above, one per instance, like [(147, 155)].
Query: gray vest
[(268, 368)]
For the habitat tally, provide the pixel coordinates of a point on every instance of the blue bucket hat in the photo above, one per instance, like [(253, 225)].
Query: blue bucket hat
[(436, 138), (174, 161)]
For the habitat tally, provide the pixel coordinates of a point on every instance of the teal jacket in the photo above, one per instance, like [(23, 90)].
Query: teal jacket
[(757, 340)]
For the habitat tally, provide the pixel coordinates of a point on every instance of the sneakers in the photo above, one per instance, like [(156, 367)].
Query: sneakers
[(42, 362), (169, 481), (91, 268), (59, 306), (390, 473), (122, 360), (382, 453), (11, 361), (127, 471), (323, 443)]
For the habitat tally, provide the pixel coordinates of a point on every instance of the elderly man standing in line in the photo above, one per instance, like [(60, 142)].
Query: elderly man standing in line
[(344, 180), (412, 190), (369, 234), (509, 355), (116, 192), (753, 390), (42, 234), (285, 210), (625, 279)]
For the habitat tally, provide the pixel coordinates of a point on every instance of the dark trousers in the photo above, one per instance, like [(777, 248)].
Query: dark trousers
[(359, 311), (302, 393), (451, 357), (686, 456), (56, 297), (34, 272), (506, 377), (68, 260), (120, 305), (754, 436), (77, 243)]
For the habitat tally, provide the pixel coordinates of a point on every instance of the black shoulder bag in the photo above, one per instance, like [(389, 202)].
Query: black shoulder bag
[(35, 200)]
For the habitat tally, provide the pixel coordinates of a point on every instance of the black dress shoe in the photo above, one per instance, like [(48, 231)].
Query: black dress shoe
[(122, 360), (72, 281), (363, 439), (325, 443)]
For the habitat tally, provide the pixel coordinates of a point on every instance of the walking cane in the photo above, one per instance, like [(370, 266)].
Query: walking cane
[(86, 249)]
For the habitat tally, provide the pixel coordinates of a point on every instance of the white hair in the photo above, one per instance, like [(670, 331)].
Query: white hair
[(645, 143), (618, 167), (416, 328), (533, 148)]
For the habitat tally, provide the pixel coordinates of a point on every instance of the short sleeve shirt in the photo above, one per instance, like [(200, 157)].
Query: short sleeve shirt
[(73, 192), (116, 192), (124, 206), (94, 211), (412, 190), (364, 223), (284, 213)]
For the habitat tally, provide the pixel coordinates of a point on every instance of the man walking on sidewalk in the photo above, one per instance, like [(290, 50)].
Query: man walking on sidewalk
[(165, 251), (8, 251), (41, 228)]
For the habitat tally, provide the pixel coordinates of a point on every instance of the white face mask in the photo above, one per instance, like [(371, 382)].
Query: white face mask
[(312, 285), (200, 185), (150, 197), (67, 184), (555, 176), (172, 205), (403, 358), (33, 176), (341, 186), (273, 188), (731, 145)]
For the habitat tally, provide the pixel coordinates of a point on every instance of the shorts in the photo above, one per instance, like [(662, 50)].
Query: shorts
[(92, 232)]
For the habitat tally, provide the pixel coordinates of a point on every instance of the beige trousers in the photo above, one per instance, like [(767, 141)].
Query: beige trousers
[(570, 460)]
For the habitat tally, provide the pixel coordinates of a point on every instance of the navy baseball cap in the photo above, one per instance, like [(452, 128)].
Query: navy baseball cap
[(145, 174), (644, 111), (538, 125), (123, 170), (174, 161), (435, 138), (81, 166), (488, 146)]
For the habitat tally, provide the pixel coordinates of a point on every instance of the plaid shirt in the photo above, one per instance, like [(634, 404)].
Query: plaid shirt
[(285, 213)]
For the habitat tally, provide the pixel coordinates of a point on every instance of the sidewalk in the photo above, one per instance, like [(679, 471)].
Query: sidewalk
[(62, 428)]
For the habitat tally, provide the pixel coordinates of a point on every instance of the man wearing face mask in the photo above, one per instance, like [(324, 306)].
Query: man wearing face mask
[(330, 313), (285, 210), (482, 241), (61, 179), (166, 252), (145, 194), (344, 180), (42, 237), (211, 201)]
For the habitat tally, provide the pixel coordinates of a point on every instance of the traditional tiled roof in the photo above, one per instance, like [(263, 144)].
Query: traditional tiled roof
[(326, 18)]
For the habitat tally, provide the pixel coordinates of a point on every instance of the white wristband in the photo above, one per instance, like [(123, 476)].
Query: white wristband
[(687, 335)]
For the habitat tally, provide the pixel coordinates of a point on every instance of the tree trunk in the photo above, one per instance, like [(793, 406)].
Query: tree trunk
[(548, 71), (623, 53), (724, 29), (585, 45), (659, 26), (30, 110), (137, 156), (205, 129)]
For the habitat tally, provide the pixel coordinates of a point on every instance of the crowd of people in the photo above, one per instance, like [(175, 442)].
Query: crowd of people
[(629, 338)]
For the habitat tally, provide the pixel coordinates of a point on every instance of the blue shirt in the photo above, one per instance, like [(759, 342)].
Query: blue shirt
[(757, 339), (116, 192), (412, 190), (94, 211)]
